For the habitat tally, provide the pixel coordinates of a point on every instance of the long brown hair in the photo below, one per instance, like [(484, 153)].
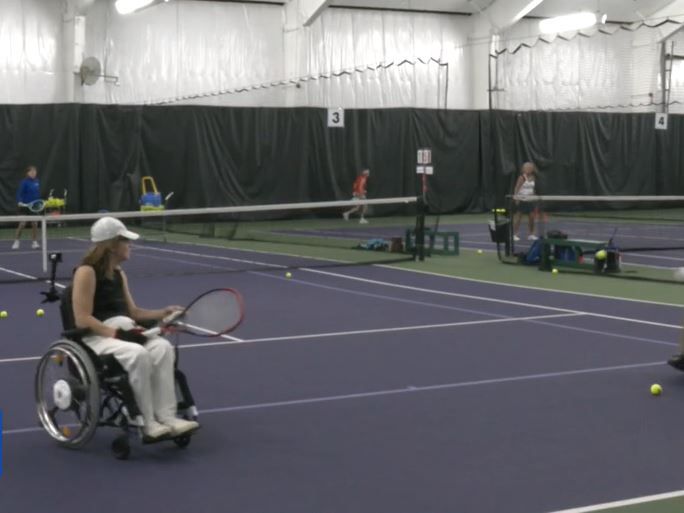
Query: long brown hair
[(99, 257)]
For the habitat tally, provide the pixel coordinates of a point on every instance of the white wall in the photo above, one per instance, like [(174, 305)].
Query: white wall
[(194, 52), (204, 52), (613, 72), (32, 68)]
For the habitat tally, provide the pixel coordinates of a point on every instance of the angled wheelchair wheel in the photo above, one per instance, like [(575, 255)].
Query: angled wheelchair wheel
[(67, 392)]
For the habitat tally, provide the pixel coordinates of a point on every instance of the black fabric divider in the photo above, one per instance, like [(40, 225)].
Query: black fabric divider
[(211, 156)]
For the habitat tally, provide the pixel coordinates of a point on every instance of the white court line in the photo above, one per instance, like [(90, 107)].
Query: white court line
[(232, 340), (21, 275), (627, 502), (405, 390), (209, 332), (212, 257), (339, 333), (490, 299), (382, 330), (529, 287), (452, 294), (430, 273)]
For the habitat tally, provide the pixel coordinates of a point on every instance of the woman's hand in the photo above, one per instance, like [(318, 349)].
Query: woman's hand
[(168, 310)]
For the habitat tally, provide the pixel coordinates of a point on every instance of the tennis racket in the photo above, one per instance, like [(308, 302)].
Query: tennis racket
[(36, 206), (211, 314)]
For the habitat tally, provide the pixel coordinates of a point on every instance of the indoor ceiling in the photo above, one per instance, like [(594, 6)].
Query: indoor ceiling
[(617, 10)]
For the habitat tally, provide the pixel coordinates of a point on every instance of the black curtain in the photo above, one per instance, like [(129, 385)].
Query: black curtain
[(216, 156)]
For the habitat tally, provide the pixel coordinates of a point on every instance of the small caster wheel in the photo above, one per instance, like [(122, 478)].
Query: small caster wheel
[(121, 448), (182, 441)]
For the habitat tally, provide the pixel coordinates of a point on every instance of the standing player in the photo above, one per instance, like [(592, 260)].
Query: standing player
[(28, 192), (524, 187), (359, 193)]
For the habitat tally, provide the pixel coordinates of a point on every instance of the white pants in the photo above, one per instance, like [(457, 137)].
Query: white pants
[(150, 369)]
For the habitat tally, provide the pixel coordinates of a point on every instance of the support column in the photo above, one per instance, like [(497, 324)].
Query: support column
[(488, 22)]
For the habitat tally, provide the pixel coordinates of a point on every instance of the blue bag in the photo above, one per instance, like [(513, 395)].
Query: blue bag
[(533, 256)]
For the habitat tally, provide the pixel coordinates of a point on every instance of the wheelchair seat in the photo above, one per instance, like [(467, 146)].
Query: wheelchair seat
[(77, 391)]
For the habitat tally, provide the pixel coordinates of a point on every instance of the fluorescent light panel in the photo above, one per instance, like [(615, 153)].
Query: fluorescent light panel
[(526, 10), (129, 6), (576, 21)]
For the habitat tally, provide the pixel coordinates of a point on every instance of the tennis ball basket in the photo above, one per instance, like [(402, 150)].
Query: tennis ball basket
[(150, 198)]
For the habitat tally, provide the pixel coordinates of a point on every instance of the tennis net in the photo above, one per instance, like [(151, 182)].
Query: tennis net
[(225, 239)]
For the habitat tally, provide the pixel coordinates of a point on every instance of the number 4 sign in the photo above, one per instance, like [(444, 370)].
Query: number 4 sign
[(661, 121), (335, 118)]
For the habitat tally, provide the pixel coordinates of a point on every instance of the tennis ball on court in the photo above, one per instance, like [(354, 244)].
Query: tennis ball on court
[(656, 389), (601, 254), (479, 251), (40, 312), (288, 275), (3, 314), (554, 271)]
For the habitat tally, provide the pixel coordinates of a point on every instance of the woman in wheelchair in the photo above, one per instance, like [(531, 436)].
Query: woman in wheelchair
[(103, 304)]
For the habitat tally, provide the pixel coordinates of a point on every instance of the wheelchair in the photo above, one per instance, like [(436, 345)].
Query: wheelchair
[(77, 391)]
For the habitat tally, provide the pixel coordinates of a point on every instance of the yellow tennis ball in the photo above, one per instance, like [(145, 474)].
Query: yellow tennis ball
[(3, 314), (40, 312), (554, 271), (479, 251), (656, 389), (288, 275), (601, 254)]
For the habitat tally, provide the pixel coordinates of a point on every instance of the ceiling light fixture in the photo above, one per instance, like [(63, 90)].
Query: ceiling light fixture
[(576, 21)]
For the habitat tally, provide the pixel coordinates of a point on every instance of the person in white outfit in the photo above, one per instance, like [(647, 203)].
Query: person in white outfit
[(525, 187), (102, 303)]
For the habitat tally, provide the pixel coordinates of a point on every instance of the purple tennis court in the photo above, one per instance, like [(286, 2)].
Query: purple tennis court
[(370, 388)]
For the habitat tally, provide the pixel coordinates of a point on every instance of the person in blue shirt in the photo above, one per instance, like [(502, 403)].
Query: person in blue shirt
[(29, 191)]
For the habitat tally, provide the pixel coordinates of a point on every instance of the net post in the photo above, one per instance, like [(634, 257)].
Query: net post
[(43, 239), (420, 230)]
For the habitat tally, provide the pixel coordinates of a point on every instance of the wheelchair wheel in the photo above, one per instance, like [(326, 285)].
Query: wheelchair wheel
[(67, 391)]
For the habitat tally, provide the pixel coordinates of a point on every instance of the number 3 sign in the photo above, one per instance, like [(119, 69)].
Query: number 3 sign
[(335, 118)]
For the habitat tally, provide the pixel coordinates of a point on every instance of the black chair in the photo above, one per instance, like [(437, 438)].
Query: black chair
[(77, 391)]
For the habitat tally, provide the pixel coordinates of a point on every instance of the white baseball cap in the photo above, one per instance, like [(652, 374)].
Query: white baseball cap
[(107, 228)]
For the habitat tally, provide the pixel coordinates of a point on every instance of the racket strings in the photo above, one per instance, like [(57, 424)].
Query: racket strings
[(214, 313)]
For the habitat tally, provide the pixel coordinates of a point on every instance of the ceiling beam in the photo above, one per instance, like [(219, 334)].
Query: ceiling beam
[(672, 10), (302, 13), (505, 13)]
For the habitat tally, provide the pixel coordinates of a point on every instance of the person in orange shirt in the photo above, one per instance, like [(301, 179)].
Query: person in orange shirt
[(359, 193)]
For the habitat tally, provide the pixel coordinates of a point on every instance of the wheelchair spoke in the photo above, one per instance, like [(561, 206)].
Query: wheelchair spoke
[(76, 408)]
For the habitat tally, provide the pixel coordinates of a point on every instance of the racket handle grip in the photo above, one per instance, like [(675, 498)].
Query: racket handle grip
[(172, 317), (152, 332)]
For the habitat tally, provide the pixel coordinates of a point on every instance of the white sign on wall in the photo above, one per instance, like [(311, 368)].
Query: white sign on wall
[(336, 118), (661, 121), (424, 156)]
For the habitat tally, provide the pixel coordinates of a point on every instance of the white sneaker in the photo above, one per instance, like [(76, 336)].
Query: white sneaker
[(516, 238), (532, 237), (15, 244), (363, 221), (181, 426), (346, 216), (154, 429), (35, 245)]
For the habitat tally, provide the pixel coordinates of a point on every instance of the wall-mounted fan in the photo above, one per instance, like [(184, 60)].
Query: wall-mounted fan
[(91, 71)]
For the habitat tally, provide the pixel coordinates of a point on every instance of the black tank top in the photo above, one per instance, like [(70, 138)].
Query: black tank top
[(109, 300)]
